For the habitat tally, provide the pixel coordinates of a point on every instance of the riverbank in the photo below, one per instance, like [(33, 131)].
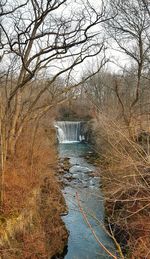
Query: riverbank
[(30, 223), (124, 170), (127, 211)]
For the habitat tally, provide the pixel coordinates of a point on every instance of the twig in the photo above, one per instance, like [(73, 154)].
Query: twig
[(92, 230)]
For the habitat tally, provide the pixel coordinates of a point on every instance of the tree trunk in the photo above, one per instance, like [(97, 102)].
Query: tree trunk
[(3, 154), (12, 136)]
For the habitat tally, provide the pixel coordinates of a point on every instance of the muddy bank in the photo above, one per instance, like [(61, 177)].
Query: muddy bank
[(39, 230)]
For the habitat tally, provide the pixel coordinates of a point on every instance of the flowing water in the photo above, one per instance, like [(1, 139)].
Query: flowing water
[(69, 131), (81, 182)]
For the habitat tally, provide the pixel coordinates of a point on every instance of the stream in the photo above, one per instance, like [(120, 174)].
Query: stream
[(80, 180)]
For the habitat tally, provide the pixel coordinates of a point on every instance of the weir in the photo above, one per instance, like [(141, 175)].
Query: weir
[(69, 131)]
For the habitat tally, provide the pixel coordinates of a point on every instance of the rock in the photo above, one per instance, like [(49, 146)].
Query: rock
[(68, 177), (75, 169), (61, 166), (66, 158), (65, 213), (66, 168), (61, 171), (65, 182), (92, 174), (85, 186)]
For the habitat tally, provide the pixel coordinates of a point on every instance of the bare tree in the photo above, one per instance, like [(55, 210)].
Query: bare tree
[(130, 30), (41, 40), (146, 5)]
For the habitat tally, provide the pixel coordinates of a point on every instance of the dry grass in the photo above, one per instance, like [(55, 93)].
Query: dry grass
[(23, 175), (45, 235), (126, 183)]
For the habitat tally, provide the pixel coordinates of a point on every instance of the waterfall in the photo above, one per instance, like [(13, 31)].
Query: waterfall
[(69, 131)]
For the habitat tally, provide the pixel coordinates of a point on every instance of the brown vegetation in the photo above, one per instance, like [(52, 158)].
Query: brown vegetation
[(31, 226), (125, 173), (41, 42)]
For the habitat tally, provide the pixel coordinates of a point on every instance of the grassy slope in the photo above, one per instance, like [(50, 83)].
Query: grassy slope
[(31, 226), (126, 178)]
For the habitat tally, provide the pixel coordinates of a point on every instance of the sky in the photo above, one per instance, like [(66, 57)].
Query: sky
[(117, 58)]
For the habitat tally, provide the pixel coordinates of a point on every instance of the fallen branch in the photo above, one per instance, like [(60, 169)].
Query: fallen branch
[(92, 230)]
